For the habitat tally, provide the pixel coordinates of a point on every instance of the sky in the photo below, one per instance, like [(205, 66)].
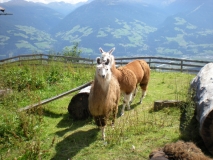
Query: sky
[(48, 1), (164, 2)]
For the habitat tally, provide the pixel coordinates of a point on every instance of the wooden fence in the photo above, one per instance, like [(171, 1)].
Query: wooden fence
[(155, 63), (45, 58), (168, 64)]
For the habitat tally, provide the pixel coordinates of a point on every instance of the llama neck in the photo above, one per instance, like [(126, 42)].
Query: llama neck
[(117, 73)]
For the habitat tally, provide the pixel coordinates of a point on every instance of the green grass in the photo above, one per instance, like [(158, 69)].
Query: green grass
[(48, 132)]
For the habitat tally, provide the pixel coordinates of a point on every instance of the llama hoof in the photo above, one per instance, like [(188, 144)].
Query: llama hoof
[(122, 114), (140, 101), (112, 125)]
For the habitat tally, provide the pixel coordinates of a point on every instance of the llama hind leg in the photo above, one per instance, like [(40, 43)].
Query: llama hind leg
[(142, 95), (143, 89), (134, 94), (126, 102)]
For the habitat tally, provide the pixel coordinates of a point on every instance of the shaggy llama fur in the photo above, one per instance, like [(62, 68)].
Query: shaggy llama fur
[(104, 96), (178, 151)]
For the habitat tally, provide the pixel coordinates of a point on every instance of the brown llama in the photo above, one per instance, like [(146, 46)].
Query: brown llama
[(104, 96), (126, 75)]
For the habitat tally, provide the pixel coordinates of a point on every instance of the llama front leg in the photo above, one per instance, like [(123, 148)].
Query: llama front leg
[(123, 108), (114, 115), (103, 133)]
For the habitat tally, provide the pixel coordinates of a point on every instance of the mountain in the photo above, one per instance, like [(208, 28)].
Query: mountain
[(29, 14), (182, 6), (26, 31), (188, 33), (64, 8), (183, 28), (104, 23)]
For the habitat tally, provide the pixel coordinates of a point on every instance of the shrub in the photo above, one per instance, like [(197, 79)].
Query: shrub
[(22, 78)]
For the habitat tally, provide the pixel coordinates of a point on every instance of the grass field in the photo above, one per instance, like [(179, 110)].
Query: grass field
[(48, 132)]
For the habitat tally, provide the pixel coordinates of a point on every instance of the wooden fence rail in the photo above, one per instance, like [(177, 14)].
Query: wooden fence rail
[(169, 64), (55, 97), (45, 58), (157, 63)]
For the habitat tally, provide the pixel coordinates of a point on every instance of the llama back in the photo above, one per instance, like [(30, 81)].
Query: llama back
[(126, 80), (135, 67), (102, 102)]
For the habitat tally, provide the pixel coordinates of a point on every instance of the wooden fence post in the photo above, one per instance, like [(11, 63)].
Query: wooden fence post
[(149, 62), (41, 58), (19, 58), (181, 66)]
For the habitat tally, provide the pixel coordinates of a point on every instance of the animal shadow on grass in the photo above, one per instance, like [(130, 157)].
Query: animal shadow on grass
[(189, 127), (72, 144), (67, 121), (70, 125)]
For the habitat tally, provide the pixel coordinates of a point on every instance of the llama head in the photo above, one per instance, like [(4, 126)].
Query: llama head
[(107, 55), (103, 69)]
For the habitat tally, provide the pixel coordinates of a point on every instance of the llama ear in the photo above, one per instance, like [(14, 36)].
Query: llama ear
[(107, 62), (112, 50), (98, 60), (101, 50)]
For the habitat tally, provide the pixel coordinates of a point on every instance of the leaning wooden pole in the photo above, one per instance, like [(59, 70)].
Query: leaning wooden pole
[(202, 91), (55, 97)]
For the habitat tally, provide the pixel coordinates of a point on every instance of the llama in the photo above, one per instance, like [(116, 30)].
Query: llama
[(139, 68), (142, 72), (104, 96), (126, 78)]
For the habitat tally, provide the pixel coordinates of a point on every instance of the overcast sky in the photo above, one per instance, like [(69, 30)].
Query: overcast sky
[(48, 1)]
